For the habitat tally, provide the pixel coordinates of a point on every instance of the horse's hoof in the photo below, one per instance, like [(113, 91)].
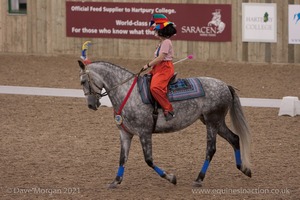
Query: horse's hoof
[(116, 182), (197, 184), (247, 172), (112, 186), (171, 178)]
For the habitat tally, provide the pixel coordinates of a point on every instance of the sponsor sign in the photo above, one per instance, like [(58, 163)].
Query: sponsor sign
[(259, 22), (198, 22), (294, 24)]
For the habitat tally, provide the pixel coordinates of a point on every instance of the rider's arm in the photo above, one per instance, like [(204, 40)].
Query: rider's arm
[(156, 60)]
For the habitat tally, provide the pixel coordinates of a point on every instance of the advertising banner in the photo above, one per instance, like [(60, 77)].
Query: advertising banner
[(259, 22), (196, 22), (294, 24)]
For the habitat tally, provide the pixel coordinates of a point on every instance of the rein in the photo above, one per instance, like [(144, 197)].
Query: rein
[(93, 85), (120, 84), (134, 75)]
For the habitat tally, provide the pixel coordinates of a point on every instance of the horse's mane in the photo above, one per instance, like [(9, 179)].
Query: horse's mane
[(111, 64)]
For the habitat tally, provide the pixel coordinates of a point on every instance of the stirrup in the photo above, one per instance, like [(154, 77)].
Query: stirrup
[(169, 115)]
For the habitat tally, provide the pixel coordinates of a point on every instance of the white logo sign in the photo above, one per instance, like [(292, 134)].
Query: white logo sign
[(259, 22), (213, 28), (294, 24)]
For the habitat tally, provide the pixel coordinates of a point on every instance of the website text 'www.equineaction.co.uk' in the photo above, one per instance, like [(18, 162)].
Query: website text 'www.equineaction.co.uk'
[(223, 191)]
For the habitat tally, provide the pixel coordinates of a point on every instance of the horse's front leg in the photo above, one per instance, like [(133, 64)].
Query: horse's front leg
[(146, 141), (125, 146)]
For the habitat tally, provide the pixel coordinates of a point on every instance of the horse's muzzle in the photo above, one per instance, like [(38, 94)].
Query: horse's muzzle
[(92, 107), (93, 102)]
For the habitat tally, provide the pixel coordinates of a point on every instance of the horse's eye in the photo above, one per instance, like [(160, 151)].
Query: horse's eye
[(82, 82)]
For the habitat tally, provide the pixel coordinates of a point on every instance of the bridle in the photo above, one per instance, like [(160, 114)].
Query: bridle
[(93, 87)]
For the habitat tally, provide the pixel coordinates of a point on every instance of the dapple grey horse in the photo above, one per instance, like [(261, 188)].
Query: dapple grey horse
[(133, 117)]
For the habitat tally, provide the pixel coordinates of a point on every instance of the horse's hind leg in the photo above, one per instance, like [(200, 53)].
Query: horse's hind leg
[(210, 151), (233, 139), (125, 146), (146, 141)]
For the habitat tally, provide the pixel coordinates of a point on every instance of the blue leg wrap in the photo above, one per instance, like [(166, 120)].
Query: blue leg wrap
[(238, 159), (205, 166), (120, 171), (159, 171)]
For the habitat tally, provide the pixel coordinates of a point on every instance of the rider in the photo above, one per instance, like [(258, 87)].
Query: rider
[(162, 65)]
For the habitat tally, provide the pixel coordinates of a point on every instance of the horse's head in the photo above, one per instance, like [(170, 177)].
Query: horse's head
[(92, 86), (216, 16)]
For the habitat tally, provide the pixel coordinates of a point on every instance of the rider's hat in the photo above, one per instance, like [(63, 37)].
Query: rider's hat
[(159, 21)]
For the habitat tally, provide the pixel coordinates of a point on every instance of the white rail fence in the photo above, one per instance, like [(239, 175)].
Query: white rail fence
[(287, 106)]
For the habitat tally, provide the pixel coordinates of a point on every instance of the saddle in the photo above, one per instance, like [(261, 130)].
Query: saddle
[(178, 90)]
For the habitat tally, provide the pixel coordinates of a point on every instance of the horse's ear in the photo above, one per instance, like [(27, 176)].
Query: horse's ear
[(81, 64)]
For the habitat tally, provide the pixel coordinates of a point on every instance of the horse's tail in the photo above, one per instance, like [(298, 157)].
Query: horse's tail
[(240, 127)]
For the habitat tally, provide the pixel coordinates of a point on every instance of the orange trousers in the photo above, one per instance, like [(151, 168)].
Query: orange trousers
[(161, 75)]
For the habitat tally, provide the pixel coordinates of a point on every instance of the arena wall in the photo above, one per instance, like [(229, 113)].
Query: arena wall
[(42, 31)]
